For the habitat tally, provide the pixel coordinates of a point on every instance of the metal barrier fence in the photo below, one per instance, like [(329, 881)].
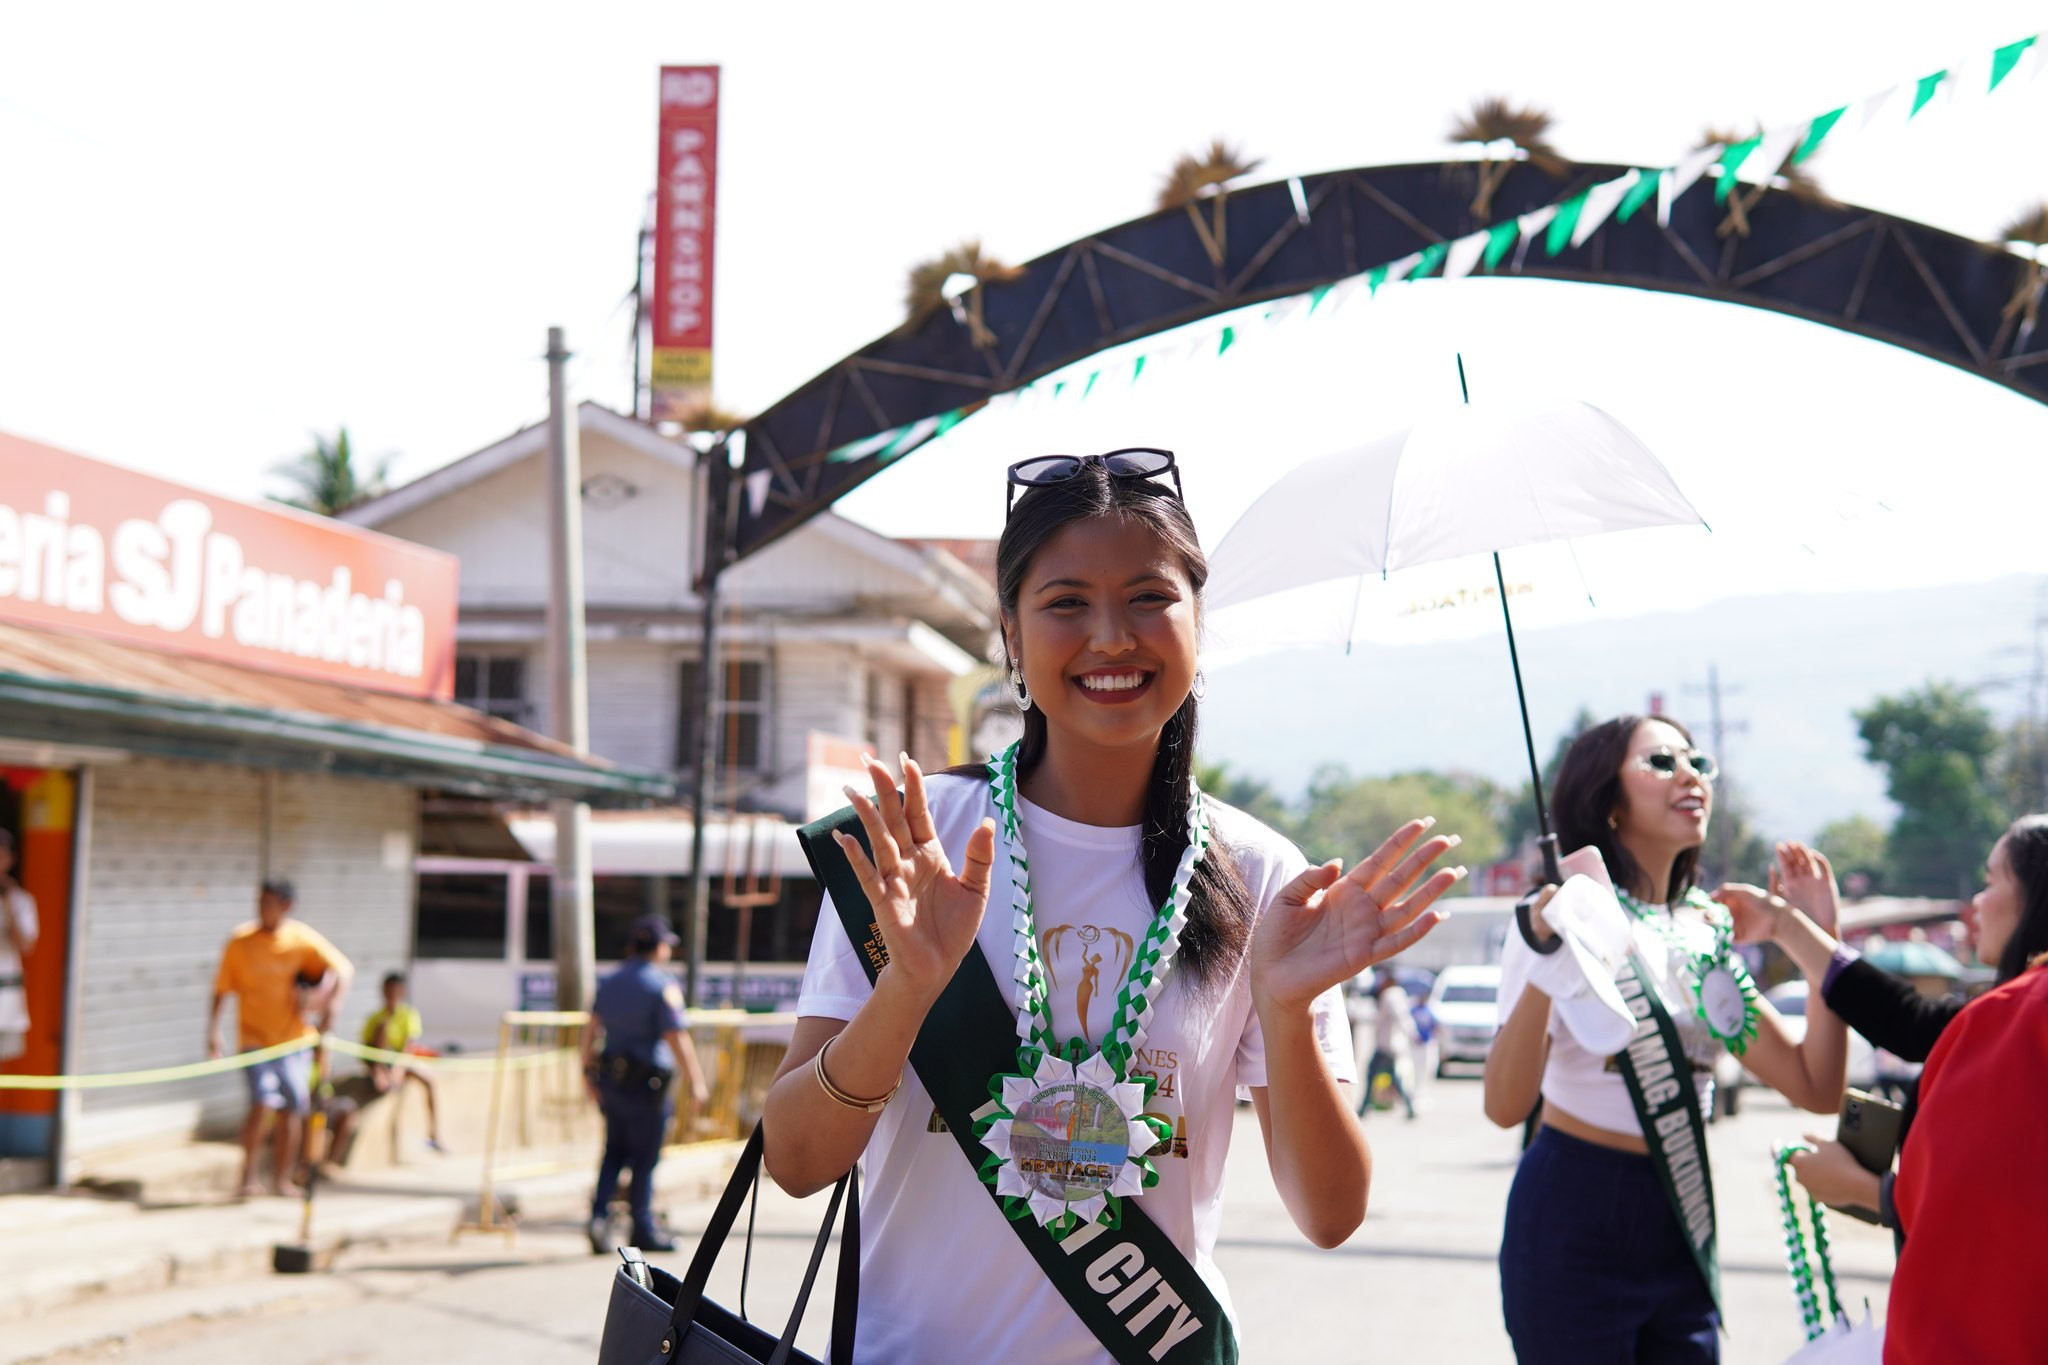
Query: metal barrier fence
[(537, 1091)]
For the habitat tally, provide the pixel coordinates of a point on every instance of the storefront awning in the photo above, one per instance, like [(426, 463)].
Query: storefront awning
[(80, 690)]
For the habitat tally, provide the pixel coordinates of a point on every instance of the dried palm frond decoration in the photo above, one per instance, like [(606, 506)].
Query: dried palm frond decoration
[(1492, 121), (1795, 178), (925, 291), (705, 415), (1196, 178), (2030, 228)]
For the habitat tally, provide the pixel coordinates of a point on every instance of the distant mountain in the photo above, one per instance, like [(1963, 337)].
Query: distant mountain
[(1792, 668)]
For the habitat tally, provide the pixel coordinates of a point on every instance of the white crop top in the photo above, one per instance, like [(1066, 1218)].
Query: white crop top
[(1585, 1085)]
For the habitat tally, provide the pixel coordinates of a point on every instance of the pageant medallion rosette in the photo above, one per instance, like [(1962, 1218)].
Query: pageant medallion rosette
[(1724, 995), (1068, 1134)]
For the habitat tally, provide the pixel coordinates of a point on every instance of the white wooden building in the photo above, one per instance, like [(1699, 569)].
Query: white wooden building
[(835, 631)]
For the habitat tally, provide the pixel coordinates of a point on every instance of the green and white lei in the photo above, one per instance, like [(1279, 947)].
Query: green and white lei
[(1035, 1170)]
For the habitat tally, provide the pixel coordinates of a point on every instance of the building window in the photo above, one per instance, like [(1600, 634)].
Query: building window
[(494, 684), (461, 915), (740, 720)]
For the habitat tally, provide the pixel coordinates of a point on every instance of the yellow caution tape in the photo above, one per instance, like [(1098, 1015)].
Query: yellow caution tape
[(158, 1075)]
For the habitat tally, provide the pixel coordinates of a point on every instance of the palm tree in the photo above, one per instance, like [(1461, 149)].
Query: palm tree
[(326, 480), (1795, 178), (2031, 229), (1493, 120), (925, 292), (1194, 179)]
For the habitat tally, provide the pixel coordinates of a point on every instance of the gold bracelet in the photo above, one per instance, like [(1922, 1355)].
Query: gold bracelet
[(839, 1096)]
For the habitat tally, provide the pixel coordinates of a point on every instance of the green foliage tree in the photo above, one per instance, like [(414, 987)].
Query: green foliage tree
[(1736, 851), (1347, 817), (326, 478), (1937, 746), (1248, 794), (1519, 818), (2023, 768), (1857, 848)]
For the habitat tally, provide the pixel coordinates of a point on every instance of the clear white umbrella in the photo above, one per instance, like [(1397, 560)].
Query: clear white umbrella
[(1475, 479)]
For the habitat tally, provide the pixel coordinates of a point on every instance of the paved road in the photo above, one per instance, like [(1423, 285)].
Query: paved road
[(1419, 1276)]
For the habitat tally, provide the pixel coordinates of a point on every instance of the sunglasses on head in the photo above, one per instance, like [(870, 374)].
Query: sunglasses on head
[(1135, 462), (1664, 763)]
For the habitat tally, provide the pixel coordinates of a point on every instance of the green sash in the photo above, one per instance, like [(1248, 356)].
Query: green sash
[(1659, 1078), (1130, 1284)]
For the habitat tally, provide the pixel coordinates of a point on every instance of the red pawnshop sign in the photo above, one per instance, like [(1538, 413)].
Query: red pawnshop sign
[(684, 217), (91, 547)]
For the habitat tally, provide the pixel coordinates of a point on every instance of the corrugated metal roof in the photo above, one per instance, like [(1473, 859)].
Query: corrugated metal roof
[(142, 691)]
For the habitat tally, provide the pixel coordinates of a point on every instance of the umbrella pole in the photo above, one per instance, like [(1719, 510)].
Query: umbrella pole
[(1546, 841)]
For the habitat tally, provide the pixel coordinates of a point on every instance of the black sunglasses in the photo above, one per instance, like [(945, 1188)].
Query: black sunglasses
[(1664, 763), (1136, 462)]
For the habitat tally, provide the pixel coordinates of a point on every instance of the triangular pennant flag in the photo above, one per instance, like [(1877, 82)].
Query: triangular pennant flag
[(757, 491), (1561, 226), (1138, 369), (1089, 387), (1923, 91), (1601, 201), (1428, 259), (1464, 255), (1499, 238), (1732, 157), (1817, 133), (1683, 177), (2006, 58), (1646, 184), (1316, 297), (1775, 146), (949, 420), (1871, 110), (1227, 340), (1375, 277)]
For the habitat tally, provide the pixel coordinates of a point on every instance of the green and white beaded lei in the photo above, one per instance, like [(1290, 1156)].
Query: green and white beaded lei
[(1724, 996), (1014, 1127), (1795, 1250)]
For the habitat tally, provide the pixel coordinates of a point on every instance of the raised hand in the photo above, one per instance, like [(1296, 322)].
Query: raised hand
[(1806, 879), (1754, 909), (928, 915), (1325, 928)]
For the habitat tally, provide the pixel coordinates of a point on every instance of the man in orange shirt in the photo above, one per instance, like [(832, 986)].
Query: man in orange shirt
[(263, 966)]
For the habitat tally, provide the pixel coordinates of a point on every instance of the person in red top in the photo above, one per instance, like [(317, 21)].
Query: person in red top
[(1972, 1189)]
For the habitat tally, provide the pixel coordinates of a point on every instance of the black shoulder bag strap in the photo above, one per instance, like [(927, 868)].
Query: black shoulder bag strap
[(1659, 1079), (1131, 1285)]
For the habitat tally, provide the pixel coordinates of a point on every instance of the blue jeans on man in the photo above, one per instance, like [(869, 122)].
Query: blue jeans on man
[(635, 1122)]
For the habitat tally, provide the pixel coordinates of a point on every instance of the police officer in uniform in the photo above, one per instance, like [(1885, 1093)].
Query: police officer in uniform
[(632, 1051)]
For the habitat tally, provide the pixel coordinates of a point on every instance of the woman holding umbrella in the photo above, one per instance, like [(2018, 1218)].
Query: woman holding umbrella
[(1212, 961), (1608, 1251)]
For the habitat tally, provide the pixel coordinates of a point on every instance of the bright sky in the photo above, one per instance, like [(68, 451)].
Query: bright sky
[(225, 226)]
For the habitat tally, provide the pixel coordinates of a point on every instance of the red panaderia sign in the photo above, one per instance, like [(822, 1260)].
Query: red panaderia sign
[(90, 547)]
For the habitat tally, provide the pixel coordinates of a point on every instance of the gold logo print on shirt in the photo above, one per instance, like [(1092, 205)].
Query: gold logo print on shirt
[(1082, 946)]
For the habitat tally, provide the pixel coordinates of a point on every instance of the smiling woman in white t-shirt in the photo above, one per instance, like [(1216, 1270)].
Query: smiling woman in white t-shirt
[(1237, 946), (1594, 1263)]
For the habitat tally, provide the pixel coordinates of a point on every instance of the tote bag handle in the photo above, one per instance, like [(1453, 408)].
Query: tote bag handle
[(846, 1298)]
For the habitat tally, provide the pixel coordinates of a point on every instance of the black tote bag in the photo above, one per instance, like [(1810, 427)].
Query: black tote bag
[(669, 1321)]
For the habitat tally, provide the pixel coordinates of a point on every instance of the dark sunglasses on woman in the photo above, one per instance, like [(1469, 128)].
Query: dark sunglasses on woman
[(1135, 462), (1664, 763)]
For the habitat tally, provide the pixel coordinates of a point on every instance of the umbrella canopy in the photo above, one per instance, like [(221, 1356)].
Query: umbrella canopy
[(1912, 958), (1472, 479)]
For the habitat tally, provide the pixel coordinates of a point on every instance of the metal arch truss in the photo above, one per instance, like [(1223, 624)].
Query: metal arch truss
[(1855, 269)]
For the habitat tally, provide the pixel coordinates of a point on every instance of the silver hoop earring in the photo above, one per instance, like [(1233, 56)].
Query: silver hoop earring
[(1201, 687), (1017, 686)]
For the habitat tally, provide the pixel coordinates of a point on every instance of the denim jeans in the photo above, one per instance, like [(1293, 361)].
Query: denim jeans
[(1594, 1269)]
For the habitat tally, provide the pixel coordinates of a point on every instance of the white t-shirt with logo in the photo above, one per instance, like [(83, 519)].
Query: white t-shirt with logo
[(943, 1276)]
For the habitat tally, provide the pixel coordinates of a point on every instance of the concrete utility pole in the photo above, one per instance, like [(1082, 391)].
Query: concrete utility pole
[(1718, 730), (568, 688), (715, 487)]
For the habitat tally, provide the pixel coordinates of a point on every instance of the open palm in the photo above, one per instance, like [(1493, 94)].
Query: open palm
[(1325, 928), (928, 914)]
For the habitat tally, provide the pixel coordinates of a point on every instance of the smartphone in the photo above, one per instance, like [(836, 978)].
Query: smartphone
[(1869, 1128), (1586, 861)]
